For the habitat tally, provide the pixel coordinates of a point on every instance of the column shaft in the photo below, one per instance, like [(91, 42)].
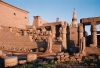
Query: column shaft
[(94, 35)]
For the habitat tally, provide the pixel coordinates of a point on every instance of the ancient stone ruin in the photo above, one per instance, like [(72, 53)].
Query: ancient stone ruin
[(65, 42)]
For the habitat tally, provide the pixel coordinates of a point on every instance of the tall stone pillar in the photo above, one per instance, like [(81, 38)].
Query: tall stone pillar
[(80, 30), (53, 32), (94, 35), (64, 33), (50, 44)]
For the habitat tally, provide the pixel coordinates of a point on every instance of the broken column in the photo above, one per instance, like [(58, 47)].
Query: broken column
[(94, 35), (50, 44), (83, 46), (64, 40)]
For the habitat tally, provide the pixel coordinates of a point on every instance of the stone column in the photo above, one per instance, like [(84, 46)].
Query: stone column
[(94, 35), (80, 30), (83, 46), (49, 48), (64, 33), (53, 31), (50, 44)]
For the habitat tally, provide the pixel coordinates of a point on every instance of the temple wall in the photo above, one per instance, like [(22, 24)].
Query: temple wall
[(12, 16)]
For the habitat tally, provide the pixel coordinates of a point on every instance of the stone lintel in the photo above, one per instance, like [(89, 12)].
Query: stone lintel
[(90, 20)]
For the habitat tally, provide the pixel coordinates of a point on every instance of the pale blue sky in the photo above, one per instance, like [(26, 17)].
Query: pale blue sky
[(49, 10)]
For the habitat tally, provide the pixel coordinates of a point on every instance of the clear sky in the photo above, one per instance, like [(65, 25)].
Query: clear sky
[(49, 10)]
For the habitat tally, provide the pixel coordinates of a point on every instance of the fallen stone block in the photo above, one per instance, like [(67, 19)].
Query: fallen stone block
[(21, 61), (62, 60), (58, 61), (73, 59), (66, 54), (66, 59), (77, 55), (79, 60), (31, 57), (58, 57), (60, 53), (10, 61)]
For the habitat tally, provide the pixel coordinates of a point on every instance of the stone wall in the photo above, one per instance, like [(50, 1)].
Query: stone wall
[(12, 16), (74, 35)]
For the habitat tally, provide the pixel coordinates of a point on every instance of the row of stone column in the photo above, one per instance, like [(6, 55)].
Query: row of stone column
[(81, 39)]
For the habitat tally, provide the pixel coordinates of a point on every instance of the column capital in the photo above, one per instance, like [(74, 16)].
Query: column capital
[(93, 23), (93, 28)]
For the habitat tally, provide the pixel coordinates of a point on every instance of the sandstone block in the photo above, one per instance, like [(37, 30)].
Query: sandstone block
[(21, 61), (62, 55), (31, 57), (73, 59), (79, 60), (58, 57), (62, 60), (66, 59), (11, 61), (66, 54), (77, 55), (58, 61)]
